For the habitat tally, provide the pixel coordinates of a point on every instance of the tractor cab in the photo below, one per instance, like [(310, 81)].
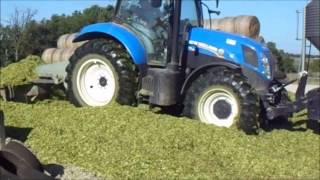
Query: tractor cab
[(152, 22)]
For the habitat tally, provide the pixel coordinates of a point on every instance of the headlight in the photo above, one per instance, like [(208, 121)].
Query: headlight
[(266, 66)]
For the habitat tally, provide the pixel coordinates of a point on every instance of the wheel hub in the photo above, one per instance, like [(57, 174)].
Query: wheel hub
[(96, 82), (103, 81), (218, 106), (222, 109)]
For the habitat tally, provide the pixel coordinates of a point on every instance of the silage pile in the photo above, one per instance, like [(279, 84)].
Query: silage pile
[(19, 73)]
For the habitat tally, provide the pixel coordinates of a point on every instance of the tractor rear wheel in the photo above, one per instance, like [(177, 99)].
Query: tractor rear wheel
[(99, 72), (223, 97)]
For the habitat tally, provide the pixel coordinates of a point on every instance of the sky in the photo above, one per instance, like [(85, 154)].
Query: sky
[(277, 17)]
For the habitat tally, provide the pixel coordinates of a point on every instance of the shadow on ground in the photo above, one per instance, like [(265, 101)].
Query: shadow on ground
[(20, 134), (301, 125)]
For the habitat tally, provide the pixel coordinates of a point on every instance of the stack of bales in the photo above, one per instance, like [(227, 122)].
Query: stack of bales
[(245, 25), (65, 49)]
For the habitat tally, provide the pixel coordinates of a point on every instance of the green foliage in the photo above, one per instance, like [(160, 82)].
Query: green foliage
[(284, 61), (315, 66), (44, 34), (123, 142), (5, 45), (19, 73)]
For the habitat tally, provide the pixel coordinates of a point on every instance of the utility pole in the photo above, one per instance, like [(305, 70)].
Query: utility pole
[(303, 43)]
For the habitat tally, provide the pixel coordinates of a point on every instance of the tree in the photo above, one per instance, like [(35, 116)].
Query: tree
[(5, 45), (284, 62), (24, 36), (315, 66), (18, 23)]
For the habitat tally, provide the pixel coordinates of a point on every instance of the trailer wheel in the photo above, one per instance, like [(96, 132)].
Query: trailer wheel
[(100, 72), (223, 97)]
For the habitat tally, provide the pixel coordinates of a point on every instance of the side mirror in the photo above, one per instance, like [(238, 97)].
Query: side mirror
[(156, 3)]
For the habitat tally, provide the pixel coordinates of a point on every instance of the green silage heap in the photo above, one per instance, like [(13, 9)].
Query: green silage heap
[(19, 73)]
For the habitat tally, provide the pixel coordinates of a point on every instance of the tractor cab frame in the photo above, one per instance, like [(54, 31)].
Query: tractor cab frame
[(159, 24)]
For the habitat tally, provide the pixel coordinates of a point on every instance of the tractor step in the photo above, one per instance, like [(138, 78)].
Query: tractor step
[(161, 86)]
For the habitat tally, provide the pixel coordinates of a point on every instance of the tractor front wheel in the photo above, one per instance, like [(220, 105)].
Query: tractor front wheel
[(100, 72), (222, 97)]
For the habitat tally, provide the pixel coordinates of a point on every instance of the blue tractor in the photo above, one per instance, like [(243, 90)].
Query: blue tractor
[(157, 52)]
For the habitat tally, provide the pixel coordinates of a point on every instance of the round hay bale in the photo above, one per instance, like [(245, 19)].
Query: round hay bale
[(214, 24), (61, 43), (78, 44), (248, 26), (244, 25), (67, 53), (69, 41), (47, 55), (227, 24), (57, 55)]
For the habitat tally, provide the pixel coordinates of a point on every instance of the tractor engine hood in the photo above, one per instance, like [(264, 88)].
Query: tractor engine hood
[(231, 47)]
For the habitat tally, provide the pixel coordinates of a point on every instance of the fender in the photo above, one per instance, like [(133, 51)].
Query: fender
[(127, 38), (194, 74)]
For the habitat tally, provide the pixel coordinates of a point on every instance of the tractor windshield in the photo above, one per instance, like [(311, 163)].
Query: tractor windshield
[(150, 22), (140, 11)]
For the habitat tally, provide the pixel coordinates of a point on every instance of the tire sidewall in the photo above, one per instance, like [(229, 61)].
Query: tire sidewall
[(76, 72)]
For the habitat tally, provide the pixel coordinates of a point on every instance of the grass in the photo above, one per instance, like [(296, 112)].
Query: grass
[(19, 73), (120, 142)]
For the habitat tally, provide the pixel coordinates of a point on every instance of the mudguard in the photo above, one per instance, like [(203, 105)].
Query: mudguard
[(127, 38), (190, 78)]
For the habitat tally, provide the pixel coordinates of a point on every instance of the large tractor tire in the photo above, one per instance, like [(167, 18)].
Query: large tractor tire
[(15, 151), (99, 72), (223, 97)]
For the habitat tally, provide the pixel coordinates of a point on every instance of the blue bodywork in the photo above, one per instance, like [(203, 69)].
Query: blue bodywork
[(228, 46), (212, 43), (127, 38)]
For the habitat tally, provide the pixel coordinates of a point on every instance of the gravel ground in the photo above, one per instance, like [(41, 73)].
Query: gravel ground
[(66, 172), (293, 87), (70, 172)]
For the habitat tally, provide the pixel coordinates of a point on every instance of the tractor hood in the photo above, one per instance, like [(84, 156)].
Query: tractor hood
[(231, 47), (230, 43)]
